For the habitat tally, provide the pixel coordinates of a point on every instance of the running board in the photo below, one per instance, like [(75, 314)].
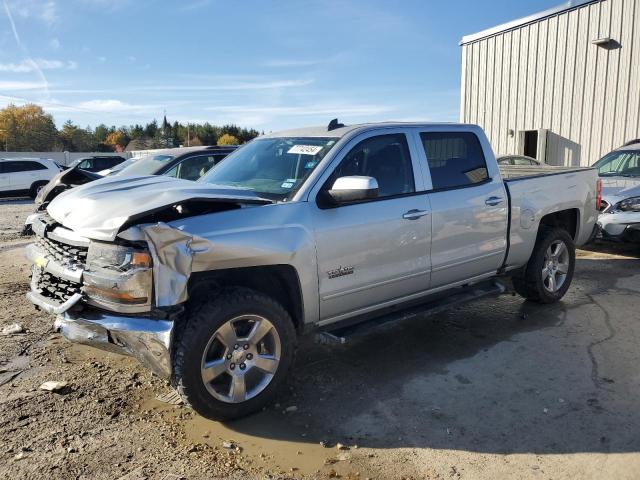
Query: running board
[(341, 335)]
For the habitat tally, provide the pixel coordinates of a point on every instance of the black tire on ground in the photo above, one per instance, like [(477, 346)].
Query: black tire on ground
[(203, 319), (33, 191), (530, 284)]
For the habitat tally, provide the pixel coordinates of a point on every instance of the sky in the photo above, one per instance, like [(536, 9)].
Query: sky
[(263, 64)]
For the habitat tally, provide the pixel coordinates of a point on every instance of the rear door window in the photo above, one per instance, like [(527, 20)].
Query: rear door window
[(455, 159)]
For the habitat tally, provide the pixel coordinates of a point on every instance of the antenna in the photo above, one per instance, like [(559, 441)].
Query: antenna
[(333, 124)]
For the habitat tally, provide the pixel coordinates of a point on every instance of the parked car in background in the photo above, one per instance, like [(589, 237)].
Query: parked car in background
[(26, 176), (619, 170), (188, 163), (97, 163), (209, 283), (517, 160)]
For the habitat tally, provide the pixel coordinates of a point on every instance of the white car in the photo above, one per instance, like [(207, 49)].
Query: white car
[(619, 170), (25, 176)]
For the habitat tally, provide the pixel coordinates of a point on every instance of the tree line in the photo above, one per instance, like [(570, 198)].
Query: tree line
[(29, 128)]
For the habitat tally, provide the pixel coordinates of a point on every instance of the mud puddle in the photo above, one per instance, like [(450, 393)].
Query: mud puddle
[(269, 440)]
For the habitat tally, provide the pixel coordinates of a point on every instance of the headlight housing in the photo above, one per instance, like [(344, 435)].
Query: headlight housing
[(118, 277), (631, 204)]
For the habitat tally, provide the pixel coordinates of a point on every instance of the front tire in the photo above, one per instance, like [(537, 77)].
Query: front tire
[(233, 354), (35, 188), (548, 274)]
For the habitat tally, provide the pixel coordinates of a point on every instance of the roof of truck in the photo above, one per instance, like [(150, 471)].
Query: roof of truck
[(323, 131)]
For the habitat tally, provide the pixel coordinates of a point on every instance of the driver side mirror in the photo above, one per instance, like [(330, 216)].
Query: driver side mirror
[(352, 189)]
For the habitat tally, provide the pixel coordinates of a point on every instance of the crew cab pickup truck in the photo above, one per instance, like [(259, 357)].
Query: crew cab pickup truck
[(210, 283)]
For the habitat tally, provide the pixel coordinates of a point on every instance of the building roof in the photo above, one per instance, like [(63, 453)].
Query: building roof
[(569, 5)]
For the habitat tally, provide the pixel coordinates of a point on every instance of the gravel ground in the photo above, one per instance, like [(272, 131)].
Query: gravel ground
[(497, 389), (12, 215)]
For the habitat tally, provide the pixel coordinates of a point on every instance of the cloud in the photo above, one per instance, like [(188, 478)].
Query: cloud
[(239, 85), (24, 49), (18, 86), (307, 110), (112, 105), (29, 65), (131, 59), (54, 44), (45, 11), (260, 116)]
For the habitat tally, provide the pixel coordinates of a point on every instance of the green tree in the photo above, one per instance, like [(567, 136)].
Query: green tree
[(101, 132), (76, 139)]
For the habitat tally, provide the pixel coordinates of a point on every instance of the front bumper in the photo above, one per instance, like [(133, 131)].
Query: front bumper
[(621, 227), (146, 339)]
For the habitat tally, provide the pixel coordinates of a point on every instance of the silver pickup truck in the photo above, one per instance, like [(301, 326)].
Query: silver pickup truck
[(210, 283)]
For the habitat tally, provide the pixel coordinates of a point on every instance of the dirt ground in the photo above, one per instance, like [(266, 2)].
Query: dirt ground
[(496, 389)]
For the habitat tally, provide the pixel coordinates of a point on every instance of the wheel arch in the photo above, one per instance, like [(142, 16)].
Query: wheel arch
[(281, 282), (567, 219)]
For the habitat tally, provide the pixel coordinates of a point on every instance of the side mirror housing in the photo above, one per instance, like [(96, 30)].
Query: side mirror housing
[(353, 189)]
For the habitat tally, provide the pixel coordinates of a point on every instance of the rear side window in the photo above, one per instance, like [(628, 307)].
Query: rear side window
[(192, 168), (22, 166), (455, 159), (385, 158)]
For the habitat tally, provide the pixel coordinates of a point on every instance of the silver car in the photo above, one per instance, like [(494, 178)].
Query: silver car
[(620, 209)]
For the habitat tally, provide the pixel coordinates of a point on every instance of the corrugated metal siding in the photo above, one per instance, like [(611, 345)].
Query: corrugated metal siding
[(548, 75)]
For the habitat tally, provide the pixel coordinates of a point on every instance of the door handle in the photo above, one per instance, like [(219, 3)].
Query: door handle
[(493, 201), (415, 214)]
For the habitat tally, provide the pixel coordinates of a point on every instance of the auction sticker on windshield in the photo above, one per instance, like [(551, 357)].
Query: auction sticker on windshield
[(305, 149)]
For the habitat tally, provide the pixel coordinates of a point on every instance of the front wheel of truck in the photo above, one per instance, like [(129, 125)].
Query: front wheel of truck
[(233, 353), (548, 274)]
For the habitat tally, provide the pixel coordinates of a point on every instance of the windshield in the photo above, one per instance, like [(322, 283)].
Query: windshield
[(148, 165), (622, 164), (274, 168)]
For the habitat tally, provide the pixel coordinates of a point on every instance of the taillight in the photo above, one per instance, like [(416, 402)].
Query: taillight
[(599, 194)]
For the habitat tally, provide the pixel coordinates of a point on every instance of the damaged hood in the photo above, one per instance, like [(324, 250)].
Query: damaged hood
[(99, 209)]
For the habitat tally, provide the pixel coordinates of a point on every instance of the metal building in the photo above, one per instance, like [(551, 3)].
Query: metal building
[(562, 85)]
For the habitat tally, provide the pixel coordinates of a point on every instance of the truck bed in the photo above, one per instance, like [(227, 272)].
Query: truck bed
[(511, 172), (534, 192)]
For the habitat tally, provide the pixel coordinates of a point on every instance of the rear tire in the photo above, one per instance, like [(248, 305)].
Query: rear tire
[(549, 272), (233, 354)]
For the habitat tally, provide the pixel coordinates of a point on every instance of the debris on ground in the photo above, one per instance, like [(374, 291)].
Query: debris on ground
[(291, 409), (7, 376), (340, 446), (53, 386), (12, 329), (171, 397), (228, 445)]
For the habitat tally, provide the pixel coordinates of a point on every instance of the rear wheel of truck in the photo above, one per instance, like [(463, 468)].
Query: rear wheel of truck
[(548, 274), (233, 353)]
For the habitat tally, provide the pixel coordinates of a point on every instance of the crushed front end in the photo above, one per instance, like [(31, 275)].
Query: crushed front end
[(100, 292)]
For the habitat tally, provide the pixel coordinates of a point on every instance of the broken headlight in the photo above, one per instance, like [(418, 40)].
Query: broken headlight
[(118, 277), (629, 205)]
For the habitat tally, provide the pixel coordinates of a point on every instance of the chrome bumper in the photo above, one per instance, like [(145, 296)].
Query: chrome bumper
[(145, 339)]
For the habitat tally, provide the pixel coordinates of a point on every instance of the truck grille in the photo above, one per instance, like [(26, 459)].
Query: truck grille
[(55, 288), (67, 255)]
